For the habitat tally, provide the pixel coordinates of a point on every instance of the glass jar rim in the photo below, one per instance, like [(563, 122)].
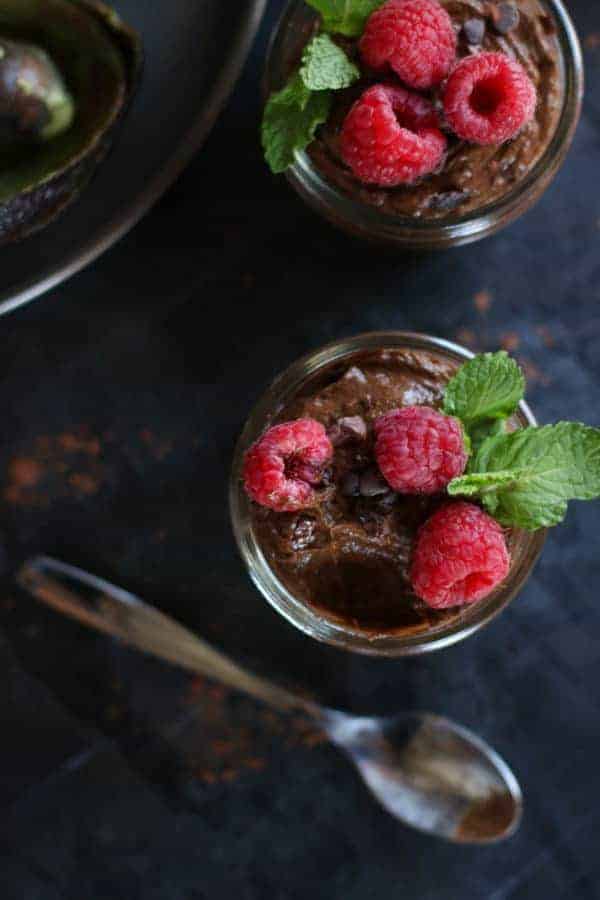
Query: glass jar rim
[(296, 611), (319, 192)]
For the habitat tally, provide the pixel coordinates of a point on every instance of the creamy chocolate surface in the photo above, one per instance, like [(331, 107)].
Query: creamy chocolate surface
[(471, 176), (348, 555)]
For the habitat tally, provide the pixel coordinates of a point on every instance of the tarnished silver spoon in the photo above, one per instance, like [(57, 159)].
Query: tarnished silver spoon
[(425, 770)]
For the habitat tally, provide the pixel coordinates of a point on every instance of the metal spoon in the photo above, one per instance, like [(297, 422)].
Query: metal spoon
[(426, 771)]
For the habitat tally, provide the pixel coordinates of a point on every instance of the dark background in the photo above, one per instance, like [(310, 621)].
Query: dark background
[(122, 394)]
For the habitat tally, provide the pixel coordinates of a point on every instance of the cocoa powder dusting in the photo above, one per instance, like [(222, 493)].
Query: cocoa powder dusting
[(158, 447), (25, 472), (74, 464), (544, 332), (468, 338), (61, 465), (592, 41), (236, 736), (510, 341), (482, 301), (533, 373)]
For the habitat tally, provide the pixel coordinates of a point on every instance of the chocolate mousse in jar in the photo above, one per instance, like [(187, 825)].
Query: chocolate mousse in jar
[(338, 566), (470, 182)]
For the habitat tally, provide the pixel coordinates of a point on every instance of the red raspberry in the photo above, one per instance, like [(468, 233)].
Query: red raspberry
[(460, 556), (419, 450), (415, 37), (489, 98), (281, 468), (391, 136)]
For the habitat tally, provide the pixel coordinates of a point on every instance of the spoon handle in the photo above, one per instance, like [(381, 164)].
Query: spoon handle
[(118, 613)]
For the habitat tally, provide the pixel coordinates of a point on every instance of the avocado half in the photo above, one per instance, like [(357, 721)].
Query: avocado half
[(68, 70)]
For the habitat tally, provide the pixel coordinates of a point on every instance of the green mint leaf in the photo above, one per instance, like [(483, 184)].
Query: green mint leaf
[(346, 17), (290, 120), (525, 513), (466, 440), (489, 386), (325, 66), (483, 431), (293, 114), (549, 466), (480, 484)]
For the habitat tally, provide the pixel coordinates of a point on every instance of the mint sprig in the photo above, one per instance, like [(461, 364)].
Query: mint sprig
[(526, 478), (290, 120), (293, 114), (346, 17), (488, 387)]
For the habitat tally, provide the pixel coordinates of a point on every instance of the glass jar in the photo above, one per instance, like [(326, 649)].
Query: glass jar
[(371, 223), (525, 550)]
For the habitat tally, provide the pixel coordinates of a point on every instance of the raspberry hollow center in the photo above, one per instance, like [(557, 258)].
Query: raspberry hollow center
[(407, 120), (297, 469), (487, 96)]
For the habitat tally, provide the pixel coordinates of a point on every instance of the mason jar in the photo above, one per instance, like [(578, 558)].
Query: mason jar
[(363, 218), (310, 370)]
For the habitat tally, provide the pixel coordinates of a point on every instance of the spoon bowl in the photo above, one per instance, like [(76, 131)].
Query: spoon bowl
[(425, 770), (432, 774)]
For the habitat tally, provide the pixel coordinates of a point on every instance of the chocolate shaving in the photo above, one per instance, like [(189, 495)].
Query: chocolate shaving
[(448, 200), (347, 428), (350, 485), (372, 484), (355, 426)]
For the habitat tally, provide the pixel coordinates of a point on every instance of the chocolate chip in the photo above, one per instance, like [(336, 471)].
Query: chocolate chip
[(372, 484), (474, 31), (336, 435), (505, 17), (448, 200), (355, 426), (387, 501), (356, 374), (350, 485), (326, 477), (371, 522), (347, 428)]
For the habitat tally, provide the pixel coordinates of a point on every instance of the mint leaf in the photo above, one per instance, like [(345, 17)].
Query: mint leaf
[(489, 386), (290, 120), (345, 16), (480, 484), (293, 114), (483, 431), (326, 66), (548, 466)]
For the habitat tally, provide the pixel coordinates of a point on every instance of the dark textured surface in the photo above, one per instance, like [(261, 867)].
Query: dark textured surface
[(120, 778)]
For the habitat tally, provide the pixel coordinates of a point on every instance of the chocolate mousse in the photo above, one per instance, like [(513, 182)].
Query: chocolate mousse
[(392, 484), (471, 176), (348, 555)]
